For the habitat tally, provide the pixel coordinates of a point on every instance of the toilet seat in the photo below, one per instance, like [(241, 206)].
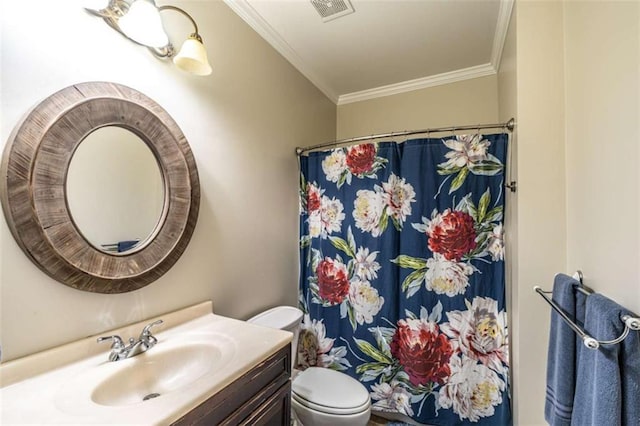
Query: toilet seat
[(331, 392), (330, 410)]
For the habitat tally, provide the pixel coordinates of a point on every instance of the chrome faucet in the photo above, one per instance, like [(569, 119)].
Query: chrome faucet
[(135, 347)]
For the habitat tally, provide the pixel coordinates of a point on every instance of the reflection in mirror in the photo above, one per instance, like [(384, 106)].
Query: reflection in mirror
[(115, 190)]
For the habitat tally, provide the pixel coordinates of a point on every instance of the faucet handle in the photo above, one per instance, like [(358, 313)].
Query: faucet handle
[(146, 337), (146, 331), (117, 347), (117, 341)]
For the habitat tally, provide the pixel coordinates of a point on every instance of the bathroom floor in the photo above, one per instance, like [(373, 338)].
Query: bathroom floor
[(377, 421), (373, 421)]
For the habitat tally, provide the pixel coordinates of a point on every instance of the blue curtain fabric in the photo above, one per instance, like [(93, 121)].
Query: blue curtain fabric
[(402, 274)]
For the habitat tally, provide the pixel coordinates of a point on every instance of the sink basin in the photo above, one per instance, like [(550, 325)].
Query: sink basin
[(154, 374), (174, 366)]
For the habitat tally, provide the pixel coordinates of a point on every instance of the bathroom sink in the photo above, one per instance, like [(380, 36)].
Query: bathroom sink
[(158, 373), (176, 365), (197, 355)]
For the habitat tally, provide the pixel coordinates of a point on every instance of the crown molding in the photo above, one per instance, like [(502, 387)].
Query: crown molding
[(419, 83), (247, 13), (500, 36), (243, 9)]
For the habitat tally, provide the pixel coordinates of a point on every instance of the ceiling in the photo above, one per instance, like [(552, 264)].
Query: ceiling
[(386, 46)]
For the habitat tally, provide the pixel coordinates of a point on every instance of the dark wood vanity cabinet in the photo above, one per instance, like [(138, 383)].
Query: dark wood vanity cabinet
[(262, 396)]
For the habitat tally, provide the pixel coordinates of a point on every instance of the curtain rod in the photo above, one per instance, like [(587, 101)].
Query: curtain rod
[(509, 125)]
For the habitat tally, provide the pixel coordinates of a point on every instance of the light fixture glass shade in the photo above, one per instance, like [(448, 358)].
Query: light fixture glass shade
[(193, 57), (142, 23)]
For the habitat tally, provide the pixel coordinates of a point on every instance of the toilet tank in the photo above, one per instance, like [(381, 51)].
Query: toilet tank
[(281, 317), (284, 318)]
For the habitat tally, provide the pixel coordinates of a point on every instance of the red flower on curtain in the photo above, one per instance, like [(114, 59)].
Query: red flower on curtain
[(333, 280), (453, 235), (360, 158), (313, 198), (422, 351)]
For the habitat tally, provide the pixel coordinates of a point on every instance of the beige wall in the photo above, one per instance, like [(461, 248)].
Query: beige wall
[(465, 102), (508, 108), (575, 90), (602, 44), (541, 196), (242, 123)]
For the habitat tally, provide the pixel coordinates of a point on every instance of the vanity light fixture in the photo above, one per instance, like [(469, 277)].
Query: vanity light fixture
[(140, 22)]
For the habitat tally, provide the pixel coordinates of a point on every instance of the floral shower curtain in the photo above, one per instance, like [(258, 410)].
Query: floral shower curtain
[(402, 274)]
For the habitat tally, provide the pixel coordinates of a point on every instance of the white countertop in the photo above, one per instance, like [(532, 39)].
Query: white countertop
[(54, 386)]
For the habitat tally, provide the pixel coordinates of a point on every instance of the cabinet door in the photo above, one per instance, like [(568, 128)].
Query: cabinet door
[(275, 411)]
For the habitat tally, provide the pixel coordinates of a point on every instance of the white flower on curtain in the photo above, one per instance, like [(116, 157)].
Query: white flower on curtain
[(391, 397), (331, 215), (335, 165), (447, 277), (398, 196), (480, 333), (466, 150), (373, 209), (366, 266), (365, 300), (316, 349), (368, 210), (472, 391), (496, 243)]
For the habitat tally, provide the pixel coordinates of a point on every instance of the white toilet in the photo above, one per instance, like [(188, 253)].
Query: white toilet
[(319, 396)]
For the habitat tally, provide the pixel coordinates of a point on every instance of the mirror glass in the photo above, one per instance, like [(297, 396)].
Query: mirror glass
[(115, 190)]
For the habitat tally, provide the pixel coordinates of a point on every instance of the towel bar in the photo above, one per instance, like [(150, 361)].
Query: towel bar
[(630, 323)]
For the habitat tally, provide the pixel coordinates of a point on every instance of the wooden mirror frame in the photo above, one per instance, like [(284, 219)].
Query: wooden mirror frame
[(33, 188)]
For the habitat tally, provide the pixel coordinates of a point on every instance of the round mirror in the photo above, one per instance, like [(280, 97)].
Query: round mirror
[(115, 190), (96, 165)]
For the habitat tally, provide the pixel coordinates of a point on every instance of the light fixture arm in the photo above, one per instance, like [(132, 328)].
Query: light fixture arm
[(189, 17), (169, 51)]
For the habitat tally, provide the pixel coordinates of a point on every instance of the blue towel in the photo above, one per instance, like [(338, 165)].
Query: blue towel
[(608, 385), (564, 346), (126, 245)]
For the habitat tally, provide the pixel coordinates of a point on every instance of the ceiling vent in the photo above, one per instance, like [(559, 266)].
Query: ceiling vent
[(332, 9)]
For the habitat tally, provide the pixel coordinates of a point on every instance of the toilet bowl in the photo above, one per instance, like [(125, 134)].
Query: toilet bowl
[(319, 396)]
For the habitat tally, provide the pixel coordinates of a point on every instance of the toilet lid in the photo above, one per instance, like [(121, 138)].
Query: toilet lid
[(330, 391)]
